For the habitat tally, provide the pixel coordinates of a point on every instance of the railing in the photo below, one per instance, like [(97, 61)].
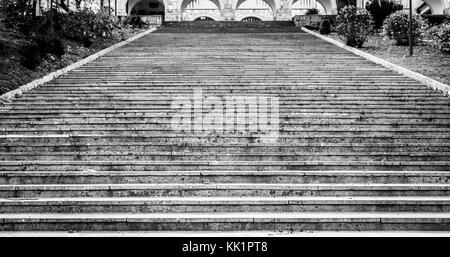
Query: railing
[(152, 19)]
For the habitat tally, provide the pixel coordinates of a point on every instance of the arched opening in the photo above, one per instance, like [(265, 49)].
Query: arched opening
[(342, 3), (204, 18), (430, 6), (251, 18), (299, 7), (264, 9), (204, 9), (145, 7)]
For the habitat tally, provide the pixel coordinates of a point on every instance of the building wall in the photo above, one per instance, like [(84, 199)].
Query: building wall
[(269, 9)]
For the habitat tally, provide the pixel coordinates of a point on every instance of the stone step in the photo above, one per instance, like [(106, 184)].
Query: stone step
[(166, 120), (243, 156), (10, 113), (299, 105), (152, 97), (285, 130), (209, 146), (223, 189), (298, 86), (34, 165), (223, 176), (360, 147), (241, 221), (167, 136), (103, 102), (224, 204), (241, 139)]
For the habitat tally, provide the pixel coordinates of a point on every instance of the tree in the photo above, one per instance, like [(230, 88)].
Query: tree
[(380, 9)]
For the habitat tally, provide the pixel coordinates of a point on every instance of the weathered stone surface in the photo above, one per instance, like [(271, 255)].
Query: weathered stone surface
[(360, 147)]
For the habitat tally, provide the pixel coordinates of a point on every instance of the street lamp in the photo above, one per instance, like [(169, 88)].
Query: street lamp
[(411, 38)]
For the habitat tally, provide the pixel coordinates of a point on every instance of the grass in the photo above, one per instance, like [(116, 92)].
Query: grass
[(13, 74), (426, 59)]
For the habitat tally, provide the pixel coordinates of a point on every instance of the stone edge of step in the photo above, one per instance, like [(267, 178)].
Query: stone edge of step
[(435, 85), (262, 233), (294, 217), (11, 95)]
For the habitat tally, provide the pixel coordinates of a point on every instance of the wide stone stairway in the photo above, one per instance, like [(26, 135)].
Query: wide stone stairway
[(360, 147)]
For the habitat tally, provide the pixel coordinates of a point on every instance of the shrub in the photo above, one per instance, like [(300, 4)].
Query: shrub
[(435, 19), (31, 56), (106, 23), (2, 47), (81, 26), (380, 9), (396, 27), (85, 25), (312, 11), (50, 45), (353, 25), (325, 27), (440, 36), (134, 21)]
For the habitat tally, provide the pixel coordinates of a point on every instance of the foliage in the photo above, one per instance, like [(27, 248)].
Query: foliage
[(133, 21), (17, 15), (31, 56), (81, 26), (85, 25), (107, 22), (49, 44), (435, 19), (396, 27), (325, 27), (380, 9), (353, 25), (312, 11), (440, 37)]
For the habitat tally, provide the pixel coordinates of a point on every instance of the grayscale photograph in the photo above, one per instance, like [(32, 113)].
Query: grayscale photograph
[(224, 118)]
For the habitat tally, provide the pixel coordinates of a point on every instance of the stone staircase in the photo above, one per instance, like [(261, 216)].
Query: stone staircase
[(359, 148)]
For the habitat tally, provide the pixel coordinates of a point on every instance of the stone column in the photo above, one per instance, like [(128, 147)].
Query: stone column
[(172, 15), (121, 7), (228, 13), (172, 12), (283, 13), (447, 11)]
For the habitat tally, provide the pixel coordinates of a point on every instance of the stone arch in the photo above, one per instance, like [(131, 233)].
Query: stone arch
[(130, 4), (215, 15), (205, 15), (184, 3), (274, 4), (252, 16), (437, 6), (328, 5)]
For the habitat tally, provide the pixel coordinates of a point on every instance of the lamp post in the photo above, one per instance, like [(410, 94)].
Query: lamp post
[(411, 37), (51, 18)]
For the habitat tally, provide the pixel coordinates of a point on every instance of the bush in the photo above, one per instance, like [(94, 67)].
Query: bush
[(81, 26), (134, 21), (312, 11), (325, 27), (440, 36), (435, 19), (396, 27), (353, 25), (85, 25), (107, 23), (380, 9), (50, 45), (31, 56)]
